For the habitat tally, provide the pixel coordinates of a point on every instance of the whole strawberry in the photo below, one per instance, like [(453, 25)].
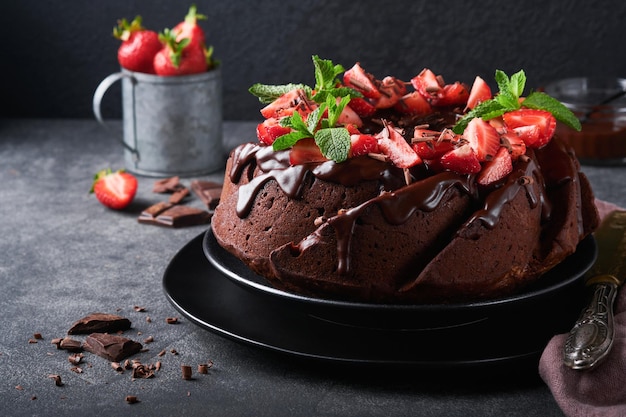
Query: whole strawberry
[(115, 190), (139, 46), (190, 29), (180, 57)]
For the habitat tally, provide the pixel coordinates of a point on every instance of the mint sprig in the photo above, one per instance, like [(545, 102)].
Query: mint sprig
[(320, 124), (508, 99)]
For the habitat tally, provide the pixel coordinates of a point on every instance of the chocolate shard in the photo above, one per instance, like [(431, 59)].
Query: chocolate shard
[(179, 195), (183, 216), (207, 191), (149, 215), (110, 346), (99, 322), (167, 185)]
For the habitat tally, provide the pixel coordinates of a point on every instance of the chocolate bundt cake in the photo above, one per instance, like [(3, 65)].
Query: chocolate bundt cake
[(417, 210)]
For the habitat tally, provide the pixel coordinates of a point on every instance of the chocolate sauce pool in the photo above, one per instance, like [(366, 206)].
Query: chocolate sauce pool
[(397, 200)]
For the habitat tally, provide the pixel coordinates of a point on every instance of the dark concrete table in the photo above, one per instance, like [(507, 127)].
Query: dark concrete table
[(63, 255)]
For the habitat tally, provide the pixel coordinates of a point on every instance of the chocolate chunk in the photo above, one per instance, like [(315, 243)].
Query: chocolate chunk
[(182, 216), (149, 215), (57, 379), (131, 399), (99, 322), (167, 185), (70, 345), (179, 195), (207, 191), (111, 347), (186, 371)]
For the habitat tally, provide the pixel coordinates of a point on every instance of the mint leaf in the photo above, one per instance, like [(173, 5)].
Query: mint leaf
[(517, 83), (334, 143), (314, 118), (335, 108), (325, 73), (288, 140), (542, 101), (268, 93), (487, 109)]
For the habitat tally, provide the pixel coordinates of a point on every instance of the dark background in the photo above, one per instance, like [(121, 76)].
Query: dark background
[(54, 53)]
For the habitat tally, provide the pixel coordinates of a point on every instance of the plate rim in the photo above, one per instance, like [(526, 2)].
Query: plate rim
[(266, 288)]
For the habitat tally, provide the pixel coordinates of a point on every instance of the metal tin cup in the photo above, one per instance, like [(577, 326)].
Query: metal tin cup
[(171, 125), (600, 104)]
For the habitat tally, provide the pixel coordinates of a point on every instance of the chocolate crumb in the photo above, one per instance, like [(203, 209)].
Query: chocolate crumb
[(75, 359), (76, 369), (38, 336), (148, 339), (174, 352), (56, 341), (19, 388), (186, 371), (131, 399), (141, 371), (128, 364), (57, 379), (139, 309), (157, 366), (161, 353), (117, 367), (171, 320), (99, 322), (203, 368), (148, 319), (34, 397), (31, 341)]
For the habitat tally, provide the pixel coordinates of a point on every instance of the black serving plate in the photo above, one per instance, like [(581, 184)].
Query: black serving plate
[(222, 297)]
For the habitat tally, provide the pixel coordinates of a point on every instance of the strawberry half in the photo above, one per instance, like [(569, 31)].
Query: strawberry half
[(479, 92), (392, 144), (115, 190), (392, 90), (286, 104), (461, 160), (499, 167), (414, 103), (454, 94), (483, 138), (363, 145), (269, 130), (535, 127), (427, 84), (305, 151), (363, 82)]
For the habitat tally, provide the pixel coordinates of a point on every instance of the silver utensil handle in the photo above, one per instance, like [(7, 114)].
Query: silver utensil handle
[(591, 338)]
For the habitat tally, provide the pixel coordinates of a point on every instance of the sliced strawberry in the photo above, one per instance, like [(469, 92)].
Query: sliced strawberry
[(115, 190), (535, 127), (396, 148), (349, 117), (362, 107), (363, 145), (365, 83), (391, 91), (499, 167), (427, 84), (498, 124), (413, 103), (514, 143), (479, 92), (461, 160), (483, 138), (451, 95), (306, 151), (269, 130), (286, 104), (431, 144)]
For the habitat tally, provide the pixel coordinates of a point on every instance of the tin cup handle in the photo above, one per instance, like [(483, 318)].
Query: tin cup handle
[(97, 101)]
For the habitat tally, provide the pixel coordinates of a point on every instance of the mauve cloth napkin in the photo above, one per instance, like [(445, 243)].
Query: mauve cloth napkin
[(597, 392)]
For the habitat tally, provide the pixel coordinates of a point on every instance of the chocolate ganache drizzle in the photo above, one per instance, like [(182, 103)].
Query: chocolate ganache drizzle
[(396, 201)]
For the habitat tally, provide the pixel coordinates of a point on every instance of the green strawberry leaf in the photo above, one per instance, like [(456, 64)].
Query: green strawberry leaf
[(334, 143)]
